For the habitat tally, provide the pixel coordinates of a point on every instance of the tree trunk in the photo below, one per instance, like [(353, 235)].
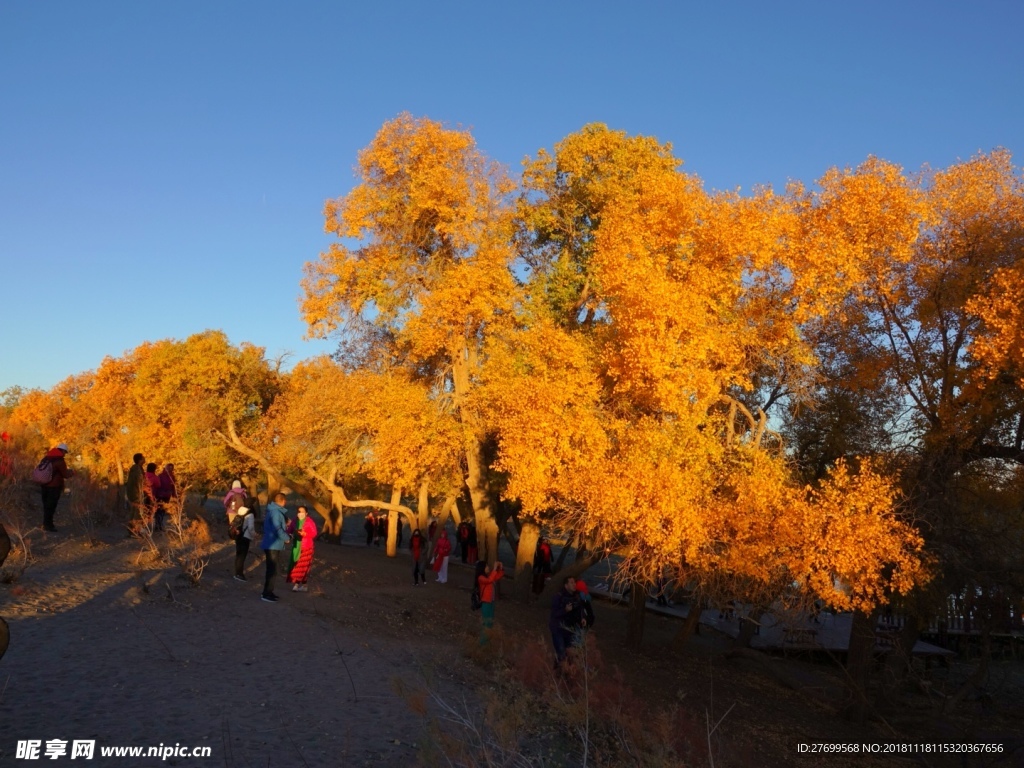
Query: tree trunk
[(423, 508), (858, 666), (275, 483), (392, 544), (898, 661), (122, 499), (691, 624), (562, 554), (529, 534), (338, 498), (476, 482), (335, 518), (252, 489), (637, 614)]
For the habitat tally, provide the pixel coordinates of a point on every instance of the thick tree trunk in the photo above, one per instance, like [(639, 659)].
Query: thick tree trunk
[(335, 517), (275, 483), (637, 614), (486, 527), (423, 508), (897, 662), (529, 534), (392, 544), (858, 666), (691, 624), (476, 482)]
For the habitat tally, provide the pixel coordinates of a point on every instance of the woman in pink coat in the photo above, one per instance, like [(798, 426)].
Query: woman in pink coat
[(303, 532)]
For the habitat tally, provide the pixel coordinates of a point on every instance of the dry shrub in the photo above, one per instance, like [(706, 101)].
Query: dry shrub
[(534, 715), (93, 505), (493, 731), (15, 514), (188, 536)]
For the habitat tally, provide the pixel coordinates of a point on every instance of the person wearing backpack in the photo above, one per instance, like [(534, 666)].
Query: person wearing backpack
[(53, 488), (234, 500), (243, 531), (486, 577)]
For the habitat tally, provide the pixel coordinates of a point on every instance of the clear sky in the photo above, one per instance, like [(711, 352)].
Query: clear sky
[(163, 166)]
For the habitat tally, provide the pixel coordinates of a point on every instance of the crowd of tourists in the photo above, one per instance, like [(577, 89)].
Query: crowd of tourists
[(149, 494), (288, 544)]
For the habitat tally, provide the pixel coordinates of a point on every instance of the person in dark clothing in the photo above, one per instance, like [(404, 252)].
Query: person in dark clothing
[(370, 526), (564, 618), (246, 533), (382, 529), (133, 486), (54, 489), (418, 545), (462, 539), (541, 565)]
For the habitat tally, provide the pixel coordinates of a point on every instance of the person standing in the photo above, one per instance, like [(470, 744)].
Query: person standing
[(246, 528), (54, 488), (150, 489), (133, 486), (168, 488), (486, 578), (418, 546), (563, 618), (370, 526), (304, 530), (275, 536), (234, 500), (442, 549), (541, 565), (586, 612)]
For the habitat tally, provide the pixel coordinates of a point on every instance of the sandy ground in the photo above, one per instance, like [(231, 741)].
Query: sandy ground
[(102, 650), (107, 650)]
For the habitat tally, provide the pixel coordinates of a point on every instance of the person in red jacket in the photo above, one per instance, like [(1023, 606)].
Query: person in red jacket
[(53, 490), (442, 549), (486, 577)]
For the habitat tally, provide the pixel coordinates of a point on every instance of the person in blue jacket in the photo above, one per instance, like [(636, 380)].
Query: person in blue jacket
[(275, 538)]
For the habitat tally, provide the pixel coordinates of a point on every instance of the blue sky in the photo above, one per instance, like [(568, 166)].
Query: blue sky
[(163, 166)]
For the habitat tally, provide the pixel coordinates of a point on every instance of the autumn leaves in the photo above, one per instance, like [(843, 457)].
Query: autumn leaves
[(605, 337), (605, 349)]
